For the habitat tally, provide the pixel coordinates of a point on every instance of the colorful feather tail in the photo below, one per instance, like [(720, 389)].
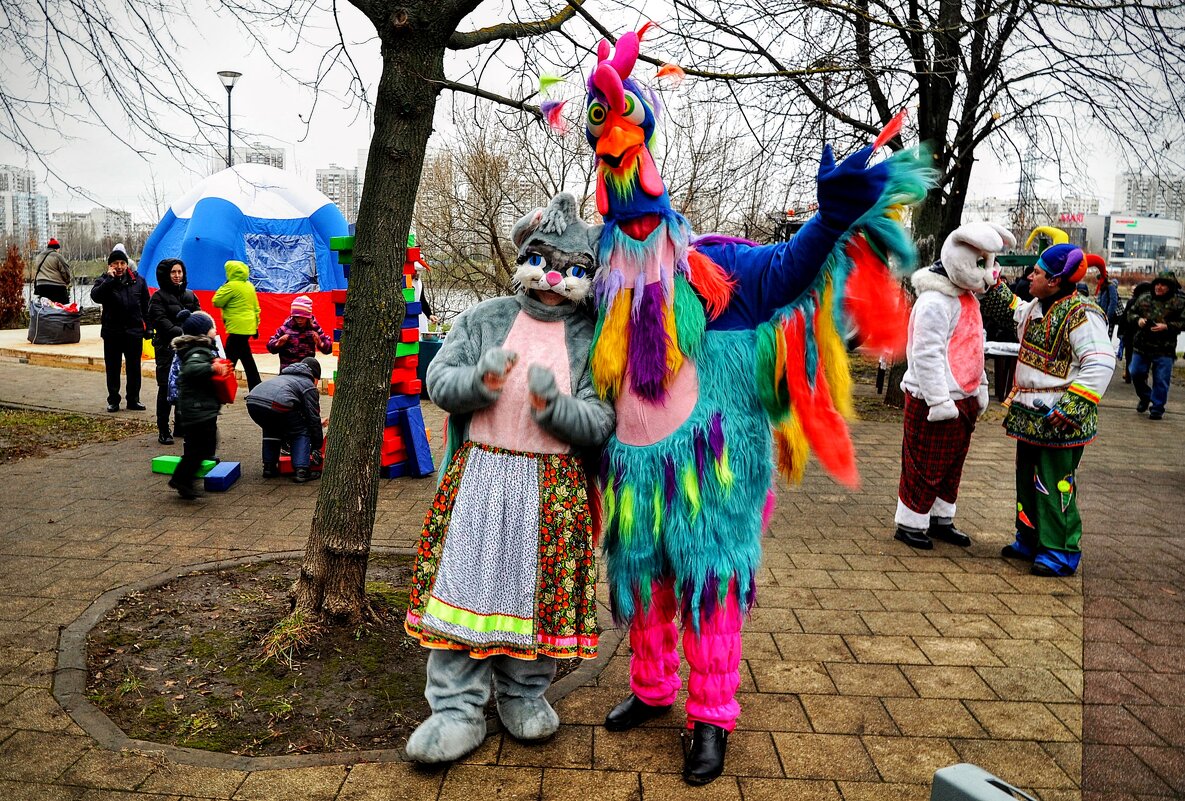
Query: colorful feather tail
[(874, 301)]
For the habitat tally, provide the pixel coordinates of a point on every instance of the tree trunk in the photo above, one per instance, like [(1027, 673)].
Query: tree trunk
[(332, 581)]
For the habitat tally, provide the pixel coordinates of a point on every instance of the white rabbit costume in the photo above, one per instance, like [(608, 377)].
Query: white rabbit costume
[(945, 384)]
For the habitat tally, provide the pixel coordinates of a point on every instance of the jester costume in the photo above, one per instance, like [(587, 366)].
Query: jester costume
[(1064, 366), (701, 344)]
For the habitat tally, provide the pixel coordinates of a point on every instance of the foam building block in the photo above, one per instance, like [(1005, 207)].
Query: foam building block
[(223, 476), (419, 452), (167, 465), (394, 470)]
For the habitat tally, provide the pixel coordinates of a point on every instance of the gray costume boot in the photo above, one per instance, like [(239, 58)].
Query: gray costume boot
[(519, 686), (457, 690)]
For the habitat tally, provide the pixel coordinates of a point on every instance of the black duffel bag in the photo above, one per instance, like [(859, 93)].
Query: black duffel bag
[(50, 325)]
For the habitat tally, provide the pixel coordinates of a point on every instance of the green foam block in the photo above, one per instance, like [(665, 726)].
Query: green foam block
[(409, 294), (166, 465), (341, 243), (407, 349)]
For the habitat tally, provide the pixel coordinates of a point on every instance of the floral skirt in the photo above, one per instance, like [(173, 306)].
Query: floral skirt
[(505, 563)]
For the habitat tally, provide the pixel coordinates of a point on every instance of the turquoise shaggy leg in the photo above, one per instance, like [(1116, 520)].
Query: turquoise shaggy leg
[(457, 690), (519, 686)]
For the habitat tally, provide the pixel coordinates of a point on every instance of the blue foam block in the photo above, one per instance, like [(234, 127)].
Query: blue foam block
[(339, 309), (419, 452), (413, 309), (222, 476), (337, 335), (394, 470)]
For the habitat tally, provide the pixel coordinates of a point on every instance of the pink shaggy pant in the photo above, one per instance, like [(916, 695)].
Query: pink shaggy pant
[(714, 656)]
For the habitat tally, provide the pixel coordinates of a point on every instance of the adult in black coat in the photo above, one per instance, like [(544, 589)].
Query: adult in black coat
[(124, 297), (1127, 332), (168, 302)]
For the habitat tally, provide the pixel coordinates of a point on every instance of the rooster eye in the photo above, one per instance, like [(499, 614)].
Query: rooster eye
[(535, 260), (597, 114), (635, 109)]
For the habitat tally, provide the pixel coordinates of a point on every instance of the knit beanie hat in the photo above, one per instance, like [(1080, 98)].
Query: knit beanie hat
[(197, 324), (1066, 262), (302, 307), (53, 243), (314, 365), (1167, 277), (117, 255)]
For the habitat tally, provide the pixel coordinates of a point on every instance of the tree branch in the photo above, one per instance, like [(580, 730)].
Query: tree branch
[(521, 105), (463, 40)]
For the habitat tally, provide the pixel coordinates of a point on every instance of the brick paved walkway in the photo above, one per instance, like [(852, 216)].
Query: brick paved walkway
[(867, 665)]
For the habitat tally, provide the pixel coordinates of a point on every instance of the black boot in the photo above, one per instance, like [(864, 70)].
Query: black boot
[(270, 469), (631, 712), (186, 491), (704, 761), (300, 475), (164, 437), (947, 532), (914, 538)]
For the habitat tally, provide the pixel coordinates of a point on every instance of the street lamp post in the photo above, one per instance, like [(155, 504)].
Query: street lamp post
[(228, 78)]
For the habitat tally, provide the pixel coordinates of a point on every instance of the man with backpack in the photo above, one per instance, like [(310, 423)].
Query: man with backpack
[(53, 277)]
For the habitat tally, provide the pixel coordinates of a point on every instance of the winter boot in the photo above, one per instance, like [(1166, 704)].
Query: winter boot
[(945, 530), (914, 538), (704, 761), (271, 469)]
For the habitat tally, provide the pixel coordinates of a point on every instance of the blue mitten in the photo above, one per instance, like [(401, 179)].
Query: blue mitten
[(847, 190)]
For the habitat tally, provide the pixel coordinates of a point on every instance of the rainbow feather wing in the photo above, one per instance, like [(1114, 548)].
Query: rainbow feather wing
[(803, 380)]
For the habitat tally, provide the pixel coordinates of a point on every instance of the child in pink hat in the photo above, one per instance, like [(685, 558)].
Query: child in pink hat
[(300, 335)]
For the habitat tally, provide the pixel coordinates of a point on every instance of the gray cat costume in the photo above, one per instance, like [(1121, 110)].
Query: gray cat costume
[(504, 581)]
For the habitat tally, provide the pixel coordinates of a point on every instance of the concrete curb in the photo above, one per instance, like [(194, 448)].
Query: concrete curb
[(70, 675)]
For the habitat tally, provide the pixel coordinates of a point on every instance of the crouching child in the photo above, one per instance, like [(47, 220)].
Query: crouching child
[(288, 409)]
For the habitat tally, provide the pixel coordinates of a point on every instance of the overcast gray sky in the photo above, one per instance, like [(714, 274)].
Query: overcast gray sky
[(268, 106)]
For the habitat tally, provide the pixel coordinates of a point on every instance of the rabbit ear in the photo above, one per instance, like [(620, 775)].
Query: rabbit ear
[(559, 214), (1007, 236), (525, 227)]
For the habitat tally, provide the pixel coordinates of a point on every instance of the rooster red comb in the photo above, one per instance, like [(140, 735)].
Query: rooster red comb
[(610, 73)]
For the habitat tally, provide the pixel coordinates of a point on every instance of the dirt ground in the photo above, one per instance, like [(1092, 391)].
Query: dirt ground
[(183, 664), (25, 432)]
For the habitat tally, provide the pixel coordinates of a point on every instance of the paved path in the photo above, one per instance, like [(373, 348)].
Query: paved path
[(867, 666)]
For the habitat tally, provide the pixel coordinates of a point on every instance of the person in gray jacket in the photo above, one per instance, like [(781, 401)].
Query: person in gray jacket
[(288, 409), (505, 577), (53, 277)]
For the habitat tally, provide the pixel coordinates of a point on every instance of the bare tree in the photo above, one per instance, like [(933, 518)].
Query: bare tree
[(997, 73), (481, 178)]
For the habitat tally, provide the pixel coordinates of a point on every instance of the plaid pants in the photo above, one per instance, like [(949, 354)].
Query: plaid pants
[(932, 456)]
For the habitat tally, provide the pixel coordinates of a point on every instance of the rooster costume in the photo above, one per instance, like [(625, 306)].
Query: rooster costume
[(702, 344)]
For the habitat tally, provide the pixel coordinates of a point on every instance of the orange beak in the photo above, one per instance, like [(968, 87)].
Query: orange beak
[(620, 139)]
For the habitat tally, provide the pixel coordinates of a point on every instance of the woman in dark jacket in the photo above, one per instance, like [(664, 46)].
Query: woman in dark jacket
[(166, 304)]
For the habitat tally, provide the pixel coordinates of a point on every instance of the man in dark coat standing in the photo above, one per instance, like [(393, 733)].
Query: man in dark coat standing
[(124, 297)]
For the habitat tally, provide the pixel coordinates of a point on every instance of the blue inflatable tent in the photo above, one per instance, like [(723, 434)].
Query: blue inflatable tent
[(258, 215)]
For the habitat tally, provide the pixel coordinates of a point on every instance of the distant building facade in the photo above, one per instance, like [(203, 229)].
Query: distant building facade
[(24, 213), (1135, 243), (1150, 195), (255, 153), (341, 185)]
